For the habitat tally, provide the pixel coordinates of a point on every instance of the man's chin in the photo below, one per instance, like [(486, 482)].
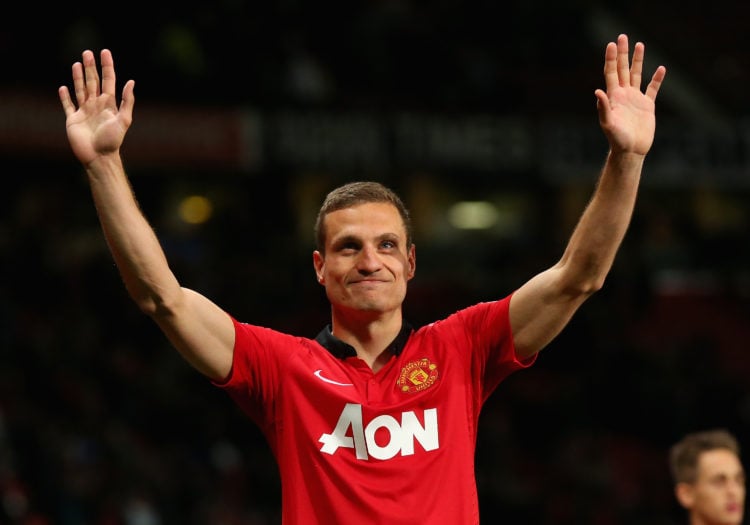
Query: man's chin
[(368, 306)]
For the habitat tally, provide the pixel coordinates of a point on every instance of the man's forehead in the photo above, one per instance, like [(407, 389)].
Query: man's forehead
[(367, 217), (713, 462)]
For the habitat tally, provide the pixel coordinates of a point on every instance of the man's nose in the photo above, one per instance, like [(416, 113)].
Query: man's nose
[(737, 487), (369, 260)]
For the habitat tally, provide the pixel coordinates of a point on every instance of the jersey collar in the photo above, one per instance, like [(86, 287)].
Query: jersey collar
[(342, 350)]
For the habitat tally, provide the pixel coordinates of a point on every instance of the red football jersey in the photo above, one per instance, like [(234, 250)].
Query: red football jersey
[(391, 447)]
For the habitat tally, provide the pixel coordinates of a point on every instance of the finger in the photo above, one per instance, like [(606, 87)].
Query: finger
[(79, 83), (610, 66), (602, 106), (653, 87), (108, 72), (623, 64), (67, 104), (127, 103), (91, 74), (636, 70)]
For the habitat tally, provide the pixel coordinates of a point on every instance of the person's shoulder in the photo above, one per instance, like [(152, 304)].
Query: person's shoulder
[(264, 333), (479, 308)]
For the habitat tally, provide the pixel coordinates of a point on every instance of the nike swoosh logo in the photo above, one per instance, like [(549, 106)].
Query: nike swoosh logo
[(331, 381)]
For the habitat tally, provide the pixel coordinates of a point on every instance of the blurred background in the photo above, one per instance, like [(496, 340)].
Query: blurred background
[(482, 116)]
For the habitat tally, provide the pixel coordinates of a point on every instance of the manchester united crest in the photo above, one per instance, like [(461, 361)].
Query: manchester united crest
[(417, 376)]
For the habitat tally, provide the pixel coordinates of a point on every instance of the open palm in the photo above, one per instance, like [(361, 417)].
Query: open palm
[(626, 114), (97, 126)]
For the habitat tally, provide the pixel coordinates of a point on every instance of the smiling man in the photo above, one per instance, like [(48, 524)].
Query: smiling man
[(373, 421), (364, 258)]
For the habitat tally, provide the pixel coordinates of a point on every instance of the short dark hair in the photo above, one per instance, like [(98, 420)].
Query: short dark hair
[(684, 455), (353, 194)]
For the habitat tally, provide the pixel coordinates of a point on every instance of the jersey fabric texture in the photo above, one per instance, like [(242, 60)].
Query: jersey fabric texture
[(392, 447)]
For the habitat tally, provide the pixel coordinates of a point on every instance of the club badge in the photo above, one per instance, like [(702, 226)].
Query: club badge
[(417, 376)]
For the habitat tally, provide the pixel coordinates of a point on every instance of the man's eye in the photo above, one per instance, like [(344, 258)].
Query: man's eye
[(388, 245), (348, 247)]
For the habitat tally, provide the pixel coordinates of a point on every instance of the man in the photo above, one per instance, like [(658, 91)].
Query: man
[(709, 480), (373, 421)]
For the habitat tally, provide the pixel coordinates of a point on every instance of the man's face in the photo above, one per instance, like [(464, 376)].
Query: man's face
[(718, 495), (367, 263)]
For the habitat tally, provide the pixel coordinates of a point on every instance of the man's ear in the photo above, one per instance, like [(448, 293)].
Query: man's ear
[(412, 258), (318, 264), (684, 494)]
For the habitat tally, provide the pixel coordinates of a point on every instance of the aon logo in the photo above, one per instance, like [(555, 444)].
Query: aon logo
[(402, 434)]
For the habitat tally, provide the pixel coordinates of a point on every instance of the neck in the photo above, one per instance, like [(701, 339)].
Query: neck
[(369, 337)]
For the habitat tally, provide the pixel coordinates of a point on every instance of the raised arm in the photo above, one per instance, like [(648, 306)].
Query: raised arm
[(542, 307), (200, 330)]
